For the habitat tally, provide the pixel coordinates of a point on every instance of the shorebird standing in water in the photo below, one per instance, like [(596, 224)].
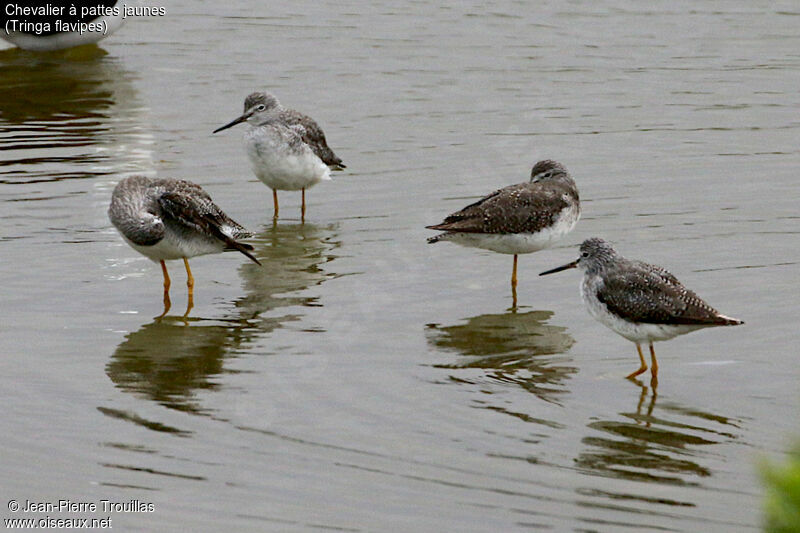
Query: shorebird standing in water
[(287, 149), (166, 219), (640, 301), (518, 219)]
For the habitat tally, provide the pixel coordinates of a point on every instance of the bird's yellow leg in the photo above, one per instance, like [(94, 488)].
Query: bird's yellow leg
[(167, 303), (514, 284), (190, 285), (514, 273), (654, 365), (303, 206), (275, 203), (643, 366)]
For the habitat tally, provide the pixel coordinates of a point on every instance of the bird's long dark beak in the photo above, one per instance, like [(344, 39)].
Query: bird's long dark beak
[(559, 269), (231, 124)]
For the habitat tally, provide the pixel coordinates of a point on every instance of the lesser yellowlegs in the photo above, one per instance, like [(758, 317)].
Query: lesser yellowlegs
[(166, 219), (640, 301), (287, 149), (518, 219)]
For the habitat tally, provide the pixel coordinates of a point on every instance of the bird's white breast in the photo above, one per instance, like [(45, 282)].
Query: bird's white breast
[(173, 246), (280, 165)]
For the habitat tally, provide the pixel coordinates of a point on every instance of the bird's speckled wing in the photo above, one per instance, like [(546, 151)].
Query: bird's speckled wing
[(521, 208), (313, 136), (652, 295), (191, 206), (187, 204), (661, 272)]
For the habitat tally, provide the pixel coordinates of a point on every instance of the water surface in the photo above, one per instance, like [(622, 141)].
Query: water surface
[(363, 380)]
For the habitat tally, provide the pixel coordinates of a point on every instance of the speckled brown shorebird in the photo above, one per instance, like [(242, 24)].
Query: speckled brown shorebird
[(640, 301), (166, 219), (518, 219), (287, 149)]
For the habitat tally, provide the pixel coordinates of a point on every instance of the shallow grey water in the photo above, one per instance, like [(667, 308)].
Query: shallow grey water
[(363, 380)]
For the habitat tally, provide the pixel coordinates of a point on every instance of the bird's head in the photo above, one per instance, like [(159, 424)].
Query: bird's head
[(548, 170), (258, 108), (595, 253)]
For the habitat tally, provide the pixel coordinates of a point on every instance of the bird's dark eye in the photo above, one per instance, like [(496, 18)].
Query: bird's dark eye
[(585, 254), (261, 107)]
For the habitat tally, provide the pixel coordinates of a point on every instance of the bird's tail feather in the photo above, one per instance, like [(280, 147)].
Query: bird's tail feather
[(243, 248), (729, 321)]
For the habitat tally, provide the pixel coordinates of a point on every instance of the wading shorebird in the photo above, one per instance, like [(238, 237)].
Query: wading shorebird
[(639, 301), (518, 219), (166, 219), (287, 149)]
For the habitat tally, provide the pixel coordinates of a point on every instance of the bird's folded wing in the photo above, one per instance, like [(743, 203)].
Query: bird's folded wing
[(203, 215), (198, 213), (654, 297), (313, 136), (513, 209)]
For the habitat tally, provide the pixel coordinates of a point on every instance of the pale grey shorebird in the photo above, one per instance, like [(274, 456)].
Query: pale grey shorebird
[(287, 149), (518, 219), (639, 301), (166, 219)]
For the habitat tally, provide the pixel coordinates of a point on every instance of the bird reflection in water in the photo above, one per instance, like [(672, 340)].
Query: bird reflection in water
[(518, 348), (294, 258), (645, 394), (168, 360), (171, 359), (654, 445)]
